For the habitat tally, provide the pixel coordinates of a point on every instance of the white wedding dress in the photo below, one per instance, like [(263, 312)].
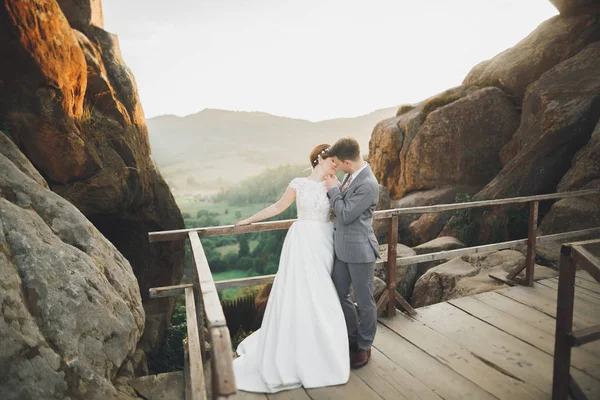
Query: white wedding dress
[(303, 339)]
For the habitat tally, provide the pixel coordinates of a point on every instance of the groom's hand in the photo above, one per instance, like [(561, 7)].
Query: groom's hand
[(331, 181)]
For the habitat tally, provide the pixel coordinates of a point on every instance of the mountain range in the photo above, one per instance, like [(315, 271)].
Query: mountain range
[(211, 149)]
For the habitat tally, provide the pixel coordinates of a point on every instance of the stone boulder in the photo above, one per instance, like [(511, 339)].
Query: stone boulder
[(468, 275), (571, 6), (578, 212), (444, 195), (551, 43), (560, 112), (392, 138), (83, 13), (442, 243), (71, 105), (459, 144), (72, 312)]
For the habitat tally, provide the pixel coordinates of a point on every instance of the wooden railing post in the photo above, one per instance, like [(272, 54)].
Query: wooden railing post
[(564, 326), (391, 265), (531, 242)]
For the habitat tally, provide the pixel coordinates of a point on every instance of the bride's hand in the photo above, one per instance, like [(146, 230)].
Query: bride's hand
[(243, 222)]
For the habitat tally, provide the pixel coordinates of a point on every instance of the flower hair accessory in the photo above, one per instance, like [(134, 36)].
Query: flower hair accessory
[(316, 160)]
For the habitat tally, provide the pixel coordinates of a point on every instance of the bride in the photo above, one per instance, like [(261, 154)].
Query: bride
[(303, 339)]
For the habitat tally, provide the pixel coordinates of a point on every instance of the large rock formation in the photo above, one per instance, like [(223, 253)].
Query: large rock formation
[(545, 91), (560, 111), (70, 103), (71, 306), (578, 212), (554, 41)]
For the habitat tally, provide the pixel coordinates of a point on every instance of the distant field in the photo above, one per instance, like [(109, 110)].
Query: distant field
[(192, 207)]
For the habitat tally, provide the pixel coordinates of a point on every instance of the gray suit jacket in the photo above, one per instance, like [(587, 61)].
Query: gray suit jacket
[(354, 240)]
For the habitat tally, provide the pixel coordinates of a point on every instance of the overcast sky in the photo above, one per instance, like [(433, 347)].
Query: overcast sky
[(310, 59)]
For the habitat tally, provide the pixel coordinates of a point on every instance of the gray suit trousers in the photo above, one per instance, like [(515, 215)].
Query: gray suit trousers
[(361, 278)]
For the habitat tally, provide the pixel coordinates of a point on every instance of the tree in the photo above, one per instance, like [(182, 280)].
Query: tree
[(244, 246)]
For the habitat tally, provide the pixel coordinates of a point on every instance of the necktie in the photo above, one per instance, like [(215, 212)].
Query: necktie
[(347, 183)]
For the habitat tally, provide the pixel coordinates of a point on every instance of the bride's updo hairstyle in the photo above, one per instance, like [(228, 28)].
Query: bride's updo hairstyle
[(319, 150)]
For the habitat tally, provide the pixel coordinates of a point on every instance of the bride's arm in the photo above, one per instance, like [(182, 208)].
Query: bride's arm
[(274, 209)]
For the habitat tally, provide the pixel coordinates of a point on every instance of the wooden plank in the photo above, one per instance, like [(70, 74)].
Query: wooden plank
[(180, 234), (531, 239), (499, 349), (586, 307), (448, 254), (382, 301), (390, 381), (580, 359), (579, 292), (484, 203), (586, 260), (459, 359), (545, 301), (442, 380), (241, 395), (197, 385), (295, 394), (585, 275), (391, 265), (221, 363), (355, 389), (575, 391), (243, 282), (561, 377), (186, 370), (407, 307), (587, 285), (168, 291), (531, 242), (586, 335), (528, 315), (212, 305)]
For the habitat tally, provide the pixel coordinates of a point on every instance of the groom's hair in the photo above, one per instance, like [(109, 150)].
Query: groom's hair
[(345, 149)]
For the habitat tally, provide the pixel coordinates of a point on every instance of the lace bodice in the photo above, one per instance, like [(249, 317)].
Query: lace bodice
[(312, 202)]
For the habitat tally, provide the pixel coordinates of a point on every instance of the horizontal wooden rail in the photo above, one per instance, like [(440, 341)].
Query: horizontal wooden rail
[(179, 234), (168, 291), (448, 254), (177, 290), (588, 261), (586, 335), (483, 203)]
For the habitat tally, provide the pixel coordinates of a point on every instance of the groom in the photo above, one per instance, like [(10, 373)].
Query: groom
[(356, 247)]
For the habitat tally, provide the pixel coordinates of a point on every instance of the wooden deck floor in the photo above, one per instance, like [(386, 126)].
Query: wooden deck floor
[(495, 345)]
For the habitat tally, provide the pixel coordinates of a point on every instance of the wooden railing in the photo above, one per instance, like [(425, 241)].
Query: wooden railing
[(202, 293), (587, 256)]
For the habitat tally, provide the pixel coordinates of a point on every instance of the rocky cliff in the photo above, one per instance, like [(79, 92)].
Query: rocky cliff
[(521, 123), (77, 170)]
